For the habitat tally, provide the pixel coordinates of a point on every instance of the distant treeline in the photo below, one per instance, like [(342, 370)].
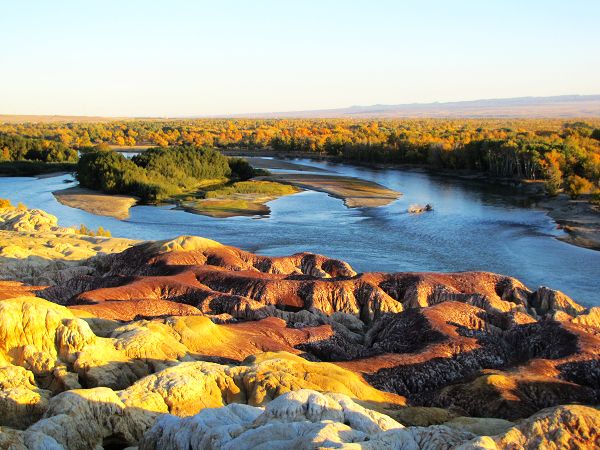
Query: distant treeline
[(574, 164), (565, 154), (158, 173), (31, 168), (18, 148)]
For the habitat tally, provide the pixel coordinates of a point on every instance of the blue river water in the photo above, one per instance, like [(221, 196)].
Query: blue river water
[(473, 227)]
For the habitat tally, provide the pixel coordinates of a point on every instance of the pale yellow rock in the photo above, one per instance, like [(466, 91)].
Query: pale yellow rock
[(81, 419), (21, 401), (84, 418), (199, 332), (302, 419), (480, 426), (47, 339), (149, 339), (189, 387), (590, 319), (271, 374), (11, 439), (34, 249), (39, 362), (23, 219), (100, 326), (185, 244), (42, 336), (561, 427), (546, 300), (185, 389), (30, 325)]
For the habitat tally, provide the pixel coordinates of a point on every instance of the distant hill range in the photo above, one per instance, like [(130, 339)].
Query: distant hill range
[(563, 106)]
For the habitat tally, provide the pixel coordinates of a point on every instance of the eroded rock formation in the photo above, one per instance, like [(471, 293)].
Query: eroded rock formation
[(34, 249), (192, 344)]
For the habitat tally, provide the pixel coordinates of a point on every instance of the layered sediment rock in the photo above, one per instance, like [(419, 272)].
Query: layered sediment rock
[(189, 343), (36, 250)]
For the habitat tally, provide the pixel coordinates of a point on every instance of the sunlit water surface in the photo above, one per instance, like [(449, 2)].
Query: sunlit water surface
[(473, 227)]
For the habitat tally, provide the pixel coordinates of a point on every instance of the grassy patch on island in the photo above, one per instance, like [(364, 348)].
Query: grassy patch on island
[(242, 198), (252, 187)]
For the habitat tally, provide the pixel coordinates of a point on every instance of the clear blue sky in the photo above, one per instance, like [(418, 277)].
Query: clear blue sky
[(174, 58)]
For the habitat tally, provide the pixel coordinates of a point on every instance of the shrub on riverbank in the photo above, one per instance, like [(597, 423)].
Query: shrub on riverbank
[(241, 169), (100, 232), (578, 186), (7, 204)]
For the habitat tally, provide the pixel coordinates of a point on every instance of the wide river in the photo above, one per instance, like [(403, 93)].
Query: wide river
[(473, 227)]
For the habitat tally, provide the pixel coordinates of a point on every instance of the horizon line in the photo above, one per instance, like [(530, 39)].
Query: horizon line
[(344, 110)]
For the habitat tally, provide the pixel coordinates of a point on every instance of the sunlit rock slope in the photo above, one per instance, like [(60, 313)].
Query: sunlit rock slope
[(191, 344)]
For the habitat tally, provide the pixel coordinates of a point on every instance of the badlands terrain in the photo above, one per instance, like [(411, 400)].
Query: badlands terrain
[(191, 344)]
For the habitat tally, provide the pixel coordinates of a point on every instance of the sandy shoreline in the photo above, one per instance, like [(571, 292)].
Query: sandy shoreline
[(96, 202), (577, 217), (41, 176), (263, 163), (355, 193), (222, 209)]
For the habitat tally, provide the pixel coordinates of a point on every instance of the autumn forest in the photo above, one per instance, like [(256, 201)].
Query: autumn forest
[(564, 153)]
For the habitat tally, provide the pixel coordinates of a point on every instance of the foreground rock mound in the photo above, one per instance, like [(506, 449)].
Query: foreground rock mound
[(477, 342), (568, 427), (189, 343), (36, 250), (307, 419)]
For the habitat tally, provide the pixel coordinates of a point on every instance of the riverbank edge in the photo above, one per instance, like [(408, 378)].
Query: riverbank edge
[(96, 202), (336, 187), (118, 206), (581, 225), (580, 230)]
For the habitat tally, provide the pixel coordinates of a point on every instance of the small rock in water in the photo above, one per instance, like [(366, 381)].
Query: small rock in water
[(418, 209)]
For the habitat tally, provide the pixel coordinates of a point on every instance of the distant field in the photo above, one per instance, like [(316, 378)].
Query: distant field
[(557, 107), (8, 118)]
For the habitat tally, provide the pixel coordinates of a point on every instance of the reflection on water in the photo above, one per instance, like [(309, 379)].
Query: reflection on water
[(473, 227)]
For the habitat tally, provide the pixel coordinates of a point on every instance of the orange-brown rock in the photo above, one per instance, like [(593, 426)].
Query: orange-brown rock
[(175, 326), (223, 280), (12, 289), (128, 310)]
